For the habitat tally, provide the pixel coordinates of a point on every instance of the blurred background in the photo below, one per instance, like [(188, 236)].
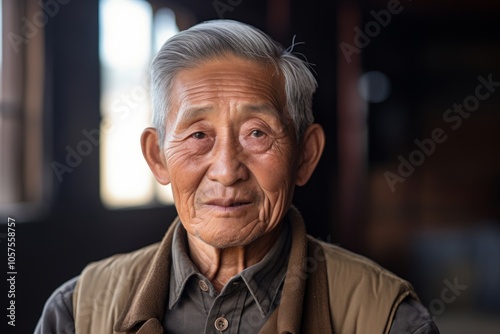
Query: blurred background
[(409, 96)]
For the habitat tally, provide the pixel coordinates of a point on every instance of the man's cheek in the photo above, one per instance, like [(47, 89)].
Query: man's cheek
[(177, 157), (275, 183)]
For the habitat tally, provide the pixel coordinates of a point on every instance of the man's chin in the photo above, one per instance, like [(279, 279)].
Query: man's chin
[(230, 241)]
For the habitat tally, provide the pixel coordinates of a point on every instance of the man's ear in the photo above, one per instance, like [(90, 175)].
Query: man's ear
[(153, 155), (311, 150)]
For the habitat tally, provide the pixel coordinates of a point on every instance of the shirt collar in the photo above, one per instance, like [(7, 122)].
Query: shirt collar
[(263, 280), (182, 266)]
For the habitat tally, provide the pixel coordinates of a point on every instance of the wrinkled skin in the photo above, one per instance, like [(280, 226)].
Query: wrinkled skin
[(231, 156)]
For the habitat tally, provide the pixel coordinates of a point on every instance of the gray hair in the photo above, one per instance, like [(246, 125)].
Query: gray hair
[(213, 39)]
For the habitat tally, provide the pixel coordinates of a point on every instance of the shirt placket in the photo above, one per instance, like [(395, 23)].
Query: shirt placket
[(225, 314)]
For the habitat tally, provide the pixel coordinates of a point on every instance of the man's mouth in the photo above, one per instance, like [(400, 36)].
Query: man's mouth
[(228, 203)]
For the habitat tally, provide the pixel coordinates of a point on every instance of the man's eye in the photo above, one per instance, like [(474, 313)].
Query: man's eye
[(257, 133), (199, 135)]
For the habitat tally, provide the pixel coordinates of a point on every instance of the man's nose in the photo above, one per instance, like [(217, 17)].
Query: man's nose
[(227, 166)]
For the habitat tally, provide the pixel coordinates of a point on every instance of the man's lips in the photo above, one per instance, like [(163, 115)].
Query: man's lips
[(227, 203)]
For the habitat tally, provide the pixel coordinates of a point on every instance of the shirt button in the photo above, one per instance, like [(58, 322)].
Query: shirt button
[(203, 285), (221, 324)]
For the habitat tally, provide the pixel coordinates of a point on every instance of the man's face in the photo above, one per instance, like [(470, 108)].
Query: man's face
[(230, 150)]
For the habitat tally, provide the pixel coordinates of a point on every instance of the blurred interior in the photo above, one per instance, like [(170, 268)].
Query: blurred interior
[(404, 179)]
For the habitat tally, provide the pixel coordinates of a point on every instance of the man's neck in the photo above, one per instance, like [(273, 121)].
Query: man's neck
[(220, 265)]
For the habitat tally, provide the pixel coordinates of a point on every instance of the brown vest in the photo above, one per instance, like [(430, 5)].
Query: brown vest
[(327, 289)]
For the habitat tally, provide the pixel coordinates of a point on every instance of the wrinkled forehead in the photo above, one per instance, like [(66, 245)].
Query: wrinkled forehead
[(229, 78)]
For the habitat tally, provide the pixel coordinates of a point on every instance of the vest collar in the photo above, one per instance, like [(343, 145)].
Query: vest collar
[(304, 305), (145, 308)]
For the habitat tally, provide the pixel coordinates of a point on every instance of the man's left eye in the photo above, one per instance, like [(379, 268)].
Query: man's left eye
[(198, 135), (257, 133)]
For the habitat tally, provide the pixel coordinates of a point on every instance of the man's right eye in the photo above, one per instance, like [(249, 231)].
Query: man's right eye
[(199, 135)]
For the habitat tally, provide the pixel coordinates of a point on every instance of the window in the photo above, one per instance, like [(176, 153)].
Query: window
[(22, 168), (126, 51)]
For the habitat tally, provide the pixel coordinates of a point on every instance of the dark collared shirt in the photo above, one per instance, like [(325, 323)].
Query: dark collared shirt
[(243, 305)]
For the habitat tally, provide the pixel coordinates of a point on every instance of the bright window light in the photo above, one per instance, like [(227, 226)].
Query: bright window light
[(125, 33), (164, 27), (126, 50)]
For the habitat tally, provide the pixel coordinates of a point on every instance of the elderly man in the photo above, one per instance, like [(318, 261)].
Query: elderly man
[(234, 134)]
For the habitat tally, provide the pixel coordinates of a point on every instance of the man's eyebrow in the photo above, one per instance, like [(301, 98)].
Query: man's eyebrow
[(191, 113), (263, 108), (194, 112)]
